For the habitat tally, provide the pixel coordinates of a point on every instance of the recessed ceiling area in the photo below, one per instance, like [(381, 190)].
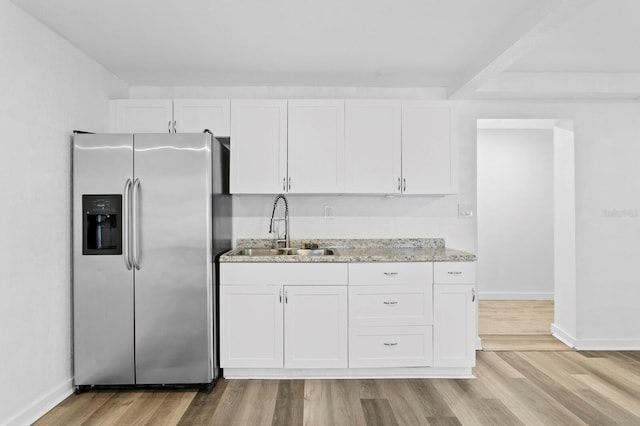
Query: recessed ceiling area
[(472, 49)]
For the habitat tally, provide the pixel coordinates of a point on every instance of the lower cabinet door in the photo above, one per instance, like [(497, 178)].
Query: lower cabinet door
[(251, 324), (315, 331), (407, 346), (454, 319)]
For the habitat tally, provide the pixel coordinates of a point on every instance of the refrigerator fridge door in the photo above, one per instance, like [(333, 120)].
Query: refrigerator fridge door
[(172, 256), (102, 283)]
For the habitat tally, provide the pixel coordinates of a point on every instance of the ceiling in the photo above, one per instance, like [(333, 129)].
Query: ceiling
[(472, 48)]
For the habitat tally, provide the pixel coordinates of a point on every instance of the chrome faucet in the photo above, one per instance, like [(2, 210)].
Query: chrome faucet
[(277, 239)]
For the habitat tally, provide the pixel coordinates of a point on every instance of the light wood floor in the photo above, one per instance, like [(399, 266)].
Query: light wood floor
[(522, 325), (512, 387)]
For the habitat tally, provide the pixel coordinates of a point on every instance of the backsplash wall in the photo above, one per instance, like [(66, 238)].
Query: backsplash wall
[(358, 216)]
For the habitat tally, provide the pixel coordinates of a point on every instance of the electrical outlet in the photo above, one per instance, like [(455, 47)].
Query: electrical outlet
[(465, 211), (328, 212)]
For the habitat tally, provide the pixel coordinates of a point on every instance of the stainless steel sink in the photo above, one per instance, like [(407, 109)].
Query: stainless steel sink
[(258, 251)]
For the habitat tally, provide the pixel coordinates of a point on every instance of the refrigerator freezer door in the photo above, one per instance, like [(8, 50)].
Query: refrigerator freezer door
[(102, 286), (173, 285)]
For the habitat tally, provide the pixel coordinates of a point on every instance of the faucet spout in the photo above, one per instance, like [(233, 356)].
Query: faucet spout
[(286, 241)]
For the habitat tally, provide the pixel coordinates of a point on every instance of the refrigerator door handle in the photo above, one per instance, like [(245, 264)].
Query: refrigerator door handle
[(135, 248), (126, 225)]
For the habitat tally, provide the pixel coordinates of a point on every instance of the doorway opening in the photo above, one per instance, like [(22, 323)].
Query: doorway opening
[(526, 233)]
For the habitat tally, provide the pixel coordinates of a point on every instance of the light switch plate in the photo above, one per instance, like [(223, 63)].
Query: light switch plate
[(465, 211), (328, 212)]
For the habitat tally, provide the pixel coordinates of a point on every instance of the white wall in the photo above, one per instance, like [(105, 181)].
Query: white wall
[(515, 214), (48, 89), (607, 182)]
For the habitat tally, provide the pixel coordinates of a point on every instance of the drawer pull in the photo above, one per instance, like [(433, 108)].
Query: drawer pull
[(391, 274), (390, 303), (390, 344), (454, 272)]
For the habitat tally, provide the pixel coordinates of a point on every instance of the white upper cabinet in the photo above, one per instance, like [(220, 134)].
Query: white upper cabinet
[(195, 115), (171, 116), (142, 115), (427, 150), (316, 146), (258, 146), (373, 146)]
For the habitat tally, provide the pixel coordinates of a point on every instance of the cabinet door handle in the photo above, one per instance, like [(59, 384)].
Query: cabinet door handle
[(289, 184), (169, 127), (399, 185), (284, 184), (174, 126), (473, 294), (390, 303), (404, 184), (390, 344), (390, 274), (286, 296), (280, 295)]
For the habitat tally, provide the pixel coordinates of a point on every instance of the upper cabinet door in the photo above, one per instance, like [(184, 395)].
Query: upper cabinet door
[(143, 116), (258, 146), (427, 149), (316, 146), (195, 115), (373, 146)]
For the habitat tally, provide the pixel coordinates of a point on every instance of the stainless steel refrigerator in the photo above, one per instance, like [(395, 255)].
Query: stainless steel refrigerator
[(151, 212)]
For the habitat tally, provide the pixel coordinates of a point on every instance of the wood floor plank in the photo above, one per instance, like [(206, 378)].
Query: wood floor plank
[(378, 412), (173, 408), (257, 404), (515, 316), (629, 403), (557, 391), (345, 400), (229, 404), (116, 406), (289, 409), (317, 403), (203, 406), (76, 409), (143, 408), (403, 401), (528, 403)]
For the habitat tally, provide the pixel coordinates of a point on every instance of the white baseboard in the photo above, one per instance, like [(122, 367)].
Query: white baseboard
[(563, 336), (525, 295), (42, 404), (607, 344), (595, 344), (478, 343)]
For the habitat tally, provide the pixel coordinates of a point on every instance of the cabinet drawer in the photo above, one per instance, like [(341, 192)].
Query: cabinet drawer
[(283, 273), (391, 346), (454, 272), (390, 273), (390, 305)]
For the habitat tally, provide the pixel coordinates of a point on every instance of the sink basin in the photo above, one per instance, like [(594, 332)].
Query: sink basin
[(281, 252), (307, 252)]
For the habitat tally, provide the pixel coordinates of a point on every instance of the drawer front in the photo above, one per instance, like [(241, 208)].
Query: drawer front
[(454, 272), (404, 273), (391, 346), (390, 305), (240, 273)]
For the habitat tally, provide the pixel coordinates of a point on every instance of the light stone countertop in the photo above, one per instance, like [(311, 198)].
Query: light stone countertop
[(358, 250)]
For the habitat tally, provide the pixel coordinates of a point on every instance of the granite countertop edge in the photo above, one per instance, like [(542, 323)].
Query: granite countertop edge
[(359, 250)]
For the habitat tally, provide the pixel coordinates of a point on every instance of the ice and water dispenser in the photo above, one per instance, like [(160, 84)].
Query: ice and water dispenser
[(102, 224)]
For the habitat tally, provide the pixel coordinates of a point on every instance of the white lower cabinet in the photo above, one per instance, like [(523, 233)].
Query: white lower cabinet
[(305, 317), (391, 346), (454, 314), (283, 325), (390, 314), (251, 321), (315, 327)]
